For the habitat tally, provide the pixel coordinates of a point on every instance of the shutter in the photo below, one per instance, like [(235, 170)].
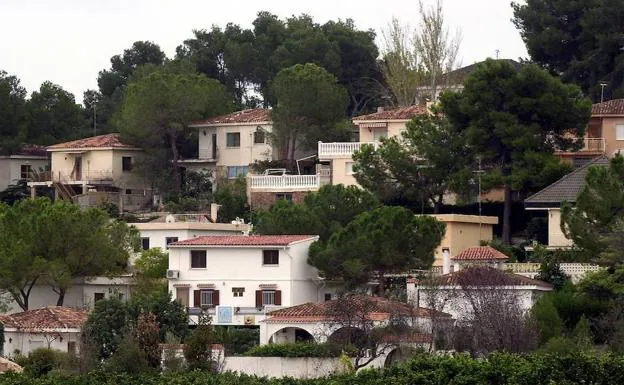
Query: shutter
[(196, 298), (258, 298), (215, 297), (278, 297)]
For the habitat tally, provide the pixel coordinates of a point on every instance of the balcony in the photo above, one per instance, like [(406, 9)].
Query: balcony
[(340, 149), (206, 154), (284, 182), (594, 145), (65, 177)]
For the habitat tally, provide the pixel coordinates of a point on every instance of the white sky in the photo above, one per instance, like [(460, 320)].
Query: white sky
[(69, 41)]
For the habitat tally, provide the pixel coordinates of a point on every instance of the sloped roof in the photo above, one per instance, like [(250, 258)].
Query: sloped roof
[(476, 276), (566, 188), (611, 107), (480, 253), (51, 317), (378, 309), (459, 75), (100, 141), (33, 150), (401, 113), (245, 240), (256, 115)]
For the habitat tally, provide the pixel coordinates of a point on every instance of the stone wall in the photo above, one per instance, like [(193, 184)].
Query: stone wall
[(264, 200)]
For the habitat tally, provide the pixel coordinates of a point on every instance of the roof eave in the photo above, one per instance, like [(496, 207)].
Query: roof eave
[(207, 125)]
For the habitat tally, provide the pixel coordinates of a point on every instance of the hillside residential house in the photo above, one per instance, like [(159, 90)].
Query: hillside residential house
[(53, 327), (92, 170), (237, 279), (462, 232), (337, 158), (458, 293), (21, 166), (564, 190), (478, 256), (325, 321)]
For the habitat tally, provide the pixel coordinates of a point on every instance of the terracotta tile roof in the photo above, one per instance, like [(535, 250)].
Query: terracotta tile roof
[(459, 75), (566, 188), (51, 317), (610, 107), (256, 115), (100, 141), (33, 149), (481, 253), (245, 240), (401, 113), (476, 276), (378, 309)]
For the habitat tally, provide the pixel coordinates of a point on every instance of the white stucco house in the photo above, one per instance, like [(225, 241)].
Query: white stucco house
[(53, 327), (238, 279), (21, 166)]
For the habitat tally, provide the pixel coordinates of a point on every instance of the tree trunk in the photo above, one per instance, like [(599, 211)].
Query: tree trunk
[(507, 216), (61, 297), (176, 156)]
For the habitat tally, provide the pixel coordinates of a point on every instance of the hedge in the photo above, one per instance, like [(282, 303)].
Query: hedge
[(300, 349), (498, 369)]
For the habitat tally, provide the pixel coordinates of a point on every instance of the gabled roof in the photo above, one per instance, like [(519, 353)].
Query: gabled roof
[(400, 113), (611, 107), (485, 276), (51, 317), (245, 240), (256, 115), (480, 253), (459, 75), (100, 141), (377, 308), (32, 150), (565, 189)]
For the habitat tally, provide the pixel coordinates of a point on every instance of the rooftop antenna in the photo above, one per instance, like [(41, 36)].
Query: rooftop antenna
[(479, 172), (497, 52), (602, 84)]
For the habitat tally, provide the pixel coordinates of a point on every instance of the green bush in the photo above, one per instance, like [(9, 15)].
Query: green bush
[(301, 349), (41, 361)]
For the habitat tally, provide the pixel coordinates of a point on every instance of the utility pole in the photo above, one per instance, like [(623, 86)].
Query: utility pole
[(497, 52), (479, 172), (602, 87), (94, 118)]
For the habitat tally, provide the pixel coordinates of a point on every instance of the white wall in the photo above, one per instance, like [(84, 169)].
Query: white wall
[(556, 238), (247, 153), (158, 237), (26, 342), (10, 168)]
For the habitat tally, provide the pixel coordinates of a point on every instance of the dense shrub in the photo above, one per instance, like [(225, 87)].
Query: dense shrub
[(42, 361), (300, 349)]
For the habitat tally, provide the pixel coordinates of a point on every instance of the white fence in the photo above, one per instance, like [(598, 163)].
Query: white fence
[(576, 271), (284, 182), (340, 149)]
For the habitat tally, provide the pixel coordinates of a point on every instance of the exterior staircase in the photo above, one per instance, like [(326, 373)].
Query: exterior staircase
[(63, 192)]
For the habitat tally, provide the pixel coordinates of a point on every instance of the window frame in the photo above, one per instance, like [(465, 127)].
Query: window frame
[(236, 139), (126, 163), (169, 240), (209, 293), (203, 255), (270, 253), (143, 240), (238, 171), (268, 294), (349, 168), (285, 196), (28, 171), (619, 127), (238, 292), (258, 134)]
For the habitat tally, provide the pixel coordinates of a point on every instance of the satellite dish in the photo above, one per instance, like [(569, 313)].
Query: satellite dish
[(169, 218)]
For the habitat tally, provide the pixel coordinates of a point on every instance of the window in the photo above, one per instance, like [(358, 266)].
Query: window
[(327, 297), (270, 257), (25, 171), (258, 137), (97, 297), (206, 298), (198, 259), (170, 240), (619, 131), (126, 163), (238, 291), (128, 191), (145, 243), (233, 139), (234, 172), (349, 168), (268, 297), (71, 347), (285, 196), (379, 133)]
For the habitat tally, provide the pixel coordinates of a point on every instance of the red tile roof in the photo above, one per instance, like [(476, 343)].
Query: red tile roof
[(51, 317), (401, 113), (245, 240), (377, 308), (480, 276), (482, 253), (32, 149), (610, 107), (256, 115), (100, 141)]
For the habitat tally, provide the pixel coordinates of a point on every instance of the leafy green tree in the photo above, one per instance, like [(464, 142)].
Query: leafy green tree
[(429, 159), (596, 221), (547, 319), (158, 106), (285, 217), (148, 338), (298, 123), (579, 40), (514, 120), (54, 115), (198, 347), (13, 113), (170, 314), (106, 326), (384, 240), (231, 196), (550, 268), (153, 263)]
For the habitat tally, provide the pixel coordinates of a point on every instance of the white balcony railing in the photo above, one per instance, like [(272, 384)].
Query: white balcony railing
[(285, 182), (593, 144), (84, 175), (341, 149)]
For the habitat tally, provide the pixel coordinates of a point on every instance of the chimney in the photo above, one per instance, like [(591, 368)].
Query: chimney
[(214, 208), (446, 261), (380, 109)]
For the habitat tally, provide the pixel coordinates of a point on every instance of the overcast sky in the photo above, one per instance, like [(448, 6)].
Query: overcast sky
[(69, 41)]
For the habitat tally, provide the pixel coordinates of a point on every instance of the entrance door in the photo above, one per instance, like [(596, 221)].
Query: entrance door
[(182, 295), (78, 167), (214, 146)]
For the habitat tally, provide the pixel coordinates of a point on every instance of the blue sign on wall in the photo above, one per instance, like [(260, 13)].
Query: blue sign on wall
[(224, 314)]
